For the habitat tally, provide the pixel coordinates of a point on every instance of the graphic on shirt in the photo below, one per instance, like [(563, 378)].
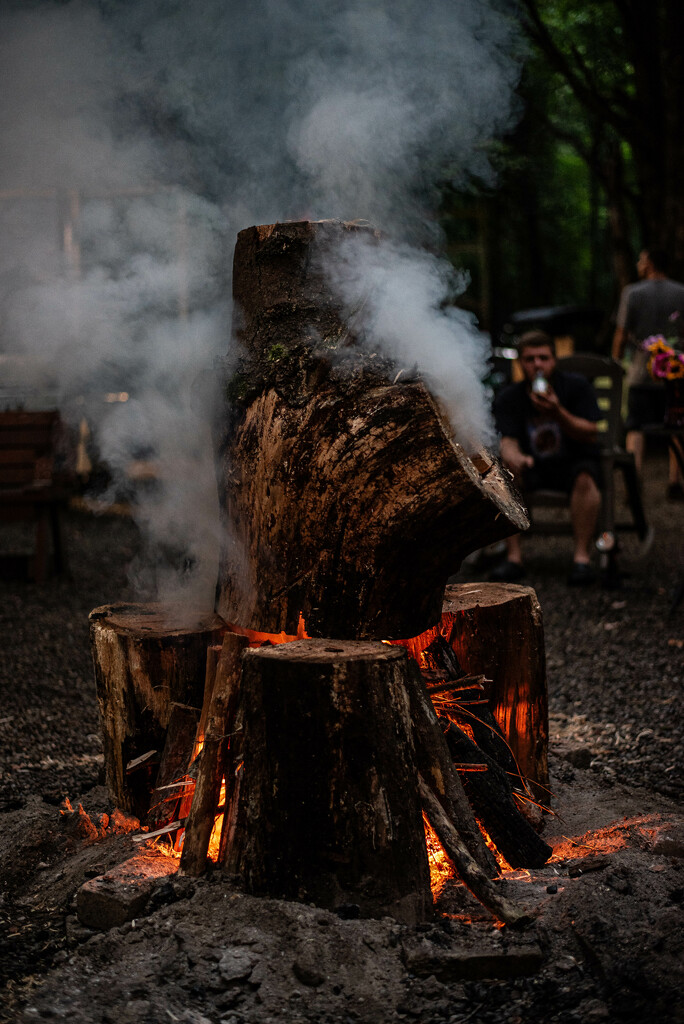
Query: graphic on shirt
[(546, 440)]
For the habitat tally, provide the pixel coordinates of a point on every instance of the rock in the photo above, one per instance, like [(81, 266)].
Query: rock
[(237, 964), (122, 894), (580, 757), (307, 975)]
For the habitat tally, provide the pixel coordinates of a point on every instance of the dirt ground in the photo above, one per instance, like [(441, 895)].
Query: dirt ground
[(607, 939)]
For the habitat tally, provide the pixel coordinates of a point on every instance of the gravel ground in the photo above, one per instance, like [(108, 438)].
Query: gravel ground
[(612, 938)]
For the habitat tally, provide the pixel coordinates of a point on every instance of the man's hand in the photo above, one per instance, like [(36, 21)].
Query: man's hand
[(513, 458), (546, 403), (575, 427)]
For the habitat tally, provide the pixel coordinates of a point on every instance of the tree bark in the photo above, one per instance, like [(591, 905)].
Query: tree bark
[(146, 659), (496, 630), (339, 489), (329, 809)]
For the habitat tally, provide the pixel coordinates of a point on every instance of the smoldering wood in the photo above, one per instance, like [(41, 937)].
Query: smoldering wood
[(491, 798), (338, 488), (193, 759), (478, 881), (180, 737), (146, 657), (497, 630), (328, 810), (220, 715), (435, 764)]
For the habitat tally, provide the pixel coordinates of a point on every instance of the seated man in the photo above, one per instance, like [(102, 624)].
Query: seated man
[(547, 424)]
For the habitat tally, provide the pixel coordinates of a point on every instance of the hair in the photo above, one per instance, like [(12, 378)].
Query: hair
[(658, 258), (535, 339)]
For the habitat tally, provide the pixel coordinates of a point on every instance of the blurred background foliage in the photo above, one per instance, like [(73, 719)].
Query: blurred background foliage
[(591, 172)]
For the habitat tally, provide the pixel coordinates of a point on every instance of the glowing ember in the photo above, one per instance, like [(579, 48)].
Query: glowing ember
[(257, 639), (441, 869)]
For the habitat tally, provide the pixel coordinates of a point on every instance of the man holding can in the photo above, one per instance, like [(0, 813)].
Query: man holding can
[(547, 424)]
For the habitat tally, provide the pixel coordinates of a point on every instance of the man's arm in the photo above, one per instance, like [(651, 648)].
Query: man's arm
[(576, 427), (619, 342), (621, 331), (513, 457)]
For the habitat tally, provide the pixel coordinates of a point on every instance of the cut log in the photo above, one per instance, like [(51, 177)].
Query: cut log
[(435, 764), (220, 714), (329, 809), (490, 796), (146, 659), (471, 875), (339, 489), (496, 630)]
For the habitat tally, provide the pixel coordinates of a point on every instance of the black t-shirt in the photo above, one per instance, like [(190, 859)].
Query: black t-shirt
[(542, 437)]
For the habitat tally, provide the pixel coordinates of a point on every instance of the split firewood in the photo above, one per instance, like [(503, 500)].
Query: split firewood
[(220, 713), (169, 790), (472, 876), (491, 798), (435, 764)]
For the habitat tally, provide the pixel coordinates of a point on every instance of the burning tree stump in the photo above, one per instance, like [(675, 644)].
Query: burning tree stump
[(147, 660), (329, 810), (496, 631), (341, 489)]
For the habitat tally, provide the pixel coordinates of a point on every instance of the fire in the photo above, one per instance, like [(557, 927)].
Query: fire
[(257, 639), (215, 839), (441, 869)]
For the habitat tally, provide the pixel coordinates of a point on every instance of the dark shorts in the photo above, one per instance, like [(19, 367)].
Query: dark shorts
[(645, 406), (560, 474)]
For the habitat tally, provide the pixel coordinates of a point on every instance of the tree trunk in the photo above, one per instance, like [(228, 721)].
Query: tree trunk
[(329, 809), (496, 630), (339, 489), (147, 658)]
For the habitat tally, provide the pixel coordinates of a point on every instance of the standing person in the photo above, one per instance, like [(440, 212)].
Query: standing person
[(547, 424), (644, 309)]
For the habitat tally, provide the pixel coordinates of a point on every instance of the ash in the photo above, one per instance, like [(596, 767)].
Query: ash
[(607, 943)]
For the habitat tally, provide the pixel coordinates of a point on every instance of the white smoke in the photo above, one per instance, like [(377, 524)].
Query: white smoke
[(139, 137)]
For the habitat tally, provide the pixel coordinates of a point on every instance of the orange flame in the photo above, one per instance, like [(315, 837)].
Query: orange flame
[(441, 869), (256, 638)]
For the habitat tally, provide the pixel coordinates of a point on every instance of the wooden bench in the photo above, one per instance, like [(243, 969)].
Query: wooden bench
[(33, 486)]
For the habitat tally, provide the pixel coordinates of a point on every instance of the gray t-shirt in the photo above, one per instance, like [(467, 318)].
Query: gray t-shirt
[(644, 310)]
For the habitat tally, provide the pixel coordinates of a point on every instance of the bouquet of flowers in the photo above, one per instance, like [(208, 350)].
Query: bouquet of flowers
[(665, 362)]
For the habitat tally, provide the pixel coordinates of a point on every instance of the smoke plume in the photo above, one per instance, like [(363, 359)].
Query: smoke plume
[(139, 137)]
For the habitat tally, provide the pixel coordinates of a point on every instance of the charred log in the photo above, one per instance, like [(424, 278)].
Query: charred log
[(341, 489), (490, 796), (146, 659), (328, 810), (435, 764), (496, 630)]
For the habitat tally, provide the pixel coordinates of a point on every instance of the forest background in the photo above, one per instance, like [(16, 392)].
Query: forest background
[(590, 174)]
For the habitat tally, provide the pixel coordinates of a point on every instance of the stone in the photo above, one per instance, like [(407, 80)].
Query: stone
[(122, 894), (236, 964)]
